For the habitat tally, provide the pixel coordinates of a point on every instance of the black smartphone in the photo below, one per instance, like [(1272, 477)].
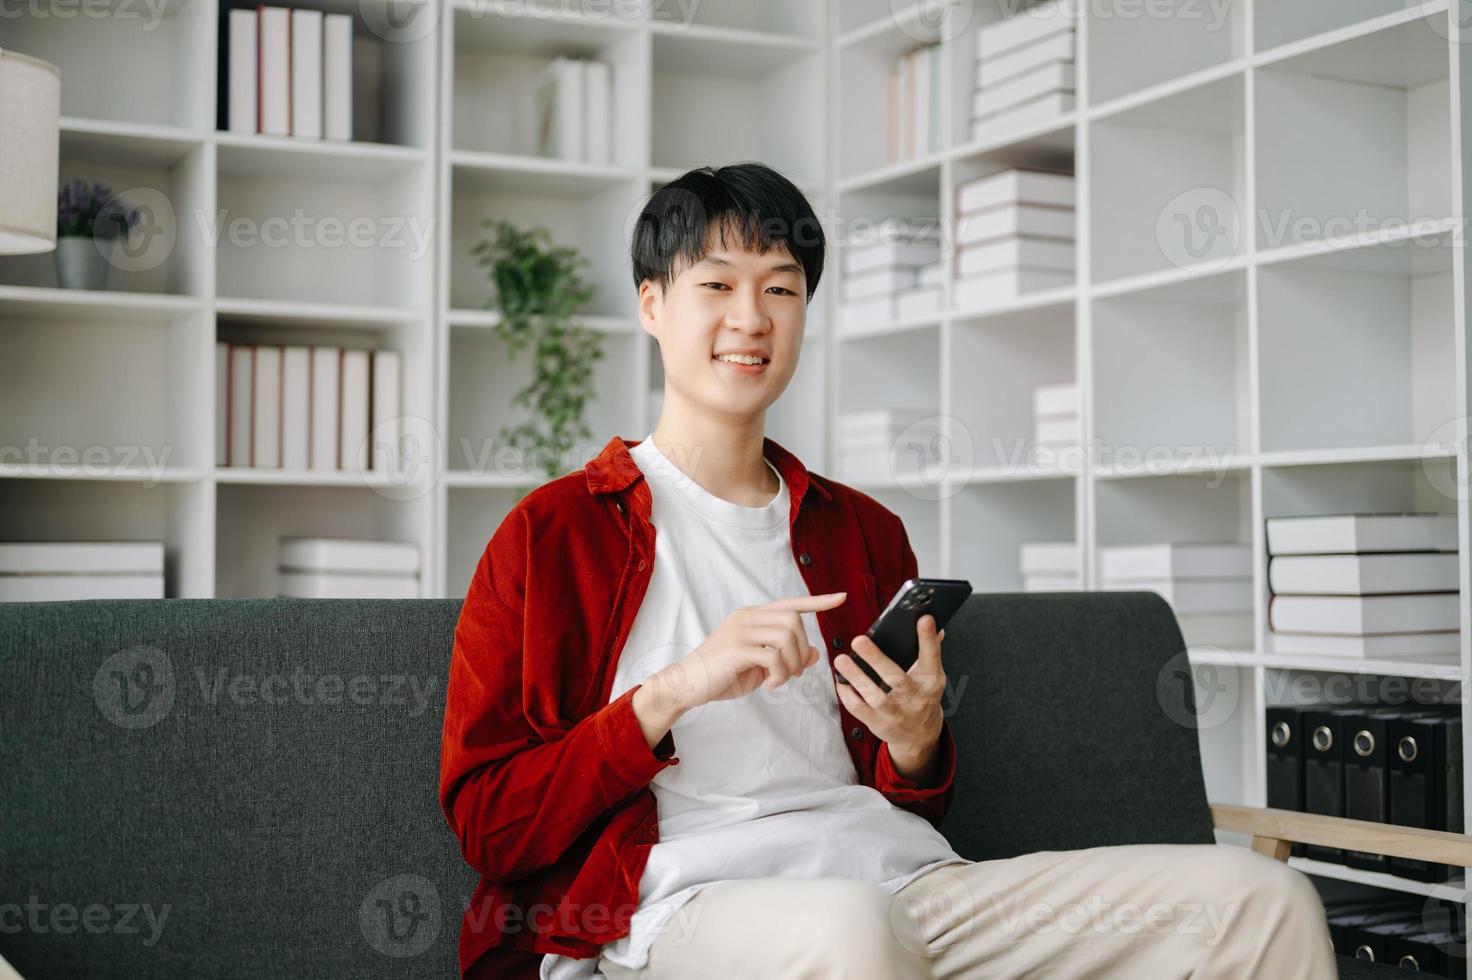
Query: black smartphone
[(896, 630)]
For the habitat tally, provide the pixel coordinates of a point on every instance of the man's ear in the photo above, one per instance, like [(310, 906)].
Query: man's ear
[(650, 296)]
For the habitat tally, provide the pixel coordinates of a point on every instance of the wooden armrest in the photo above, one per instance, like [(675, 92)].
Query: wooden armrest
[(1272, 830)]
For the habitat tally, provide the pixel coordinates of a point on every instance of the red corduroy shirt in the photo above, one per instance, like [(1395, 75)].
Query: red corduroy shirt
[(544, 782)]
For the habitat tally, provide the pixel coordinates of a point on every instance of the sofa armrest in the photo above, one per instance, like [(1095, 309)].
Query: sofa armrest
[(1273, 830)]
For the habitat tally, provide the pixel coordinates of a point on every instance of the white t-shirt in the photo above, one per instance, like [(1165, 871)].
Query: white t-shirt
[(765, 786)]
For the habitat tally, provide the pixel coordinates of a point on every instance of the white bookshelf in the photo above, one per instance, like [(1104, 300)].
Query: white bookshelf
[(1320, 375)]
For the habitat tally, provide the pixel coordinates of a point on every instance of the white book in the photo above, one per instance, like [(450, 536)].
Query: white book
[(241, 79), (998, 68), (906, 121), (1035, 112), (877, 282), (349, 555), (1175, 559), (70, 588), (1007, 220), (242, 415), (864, 258), (1010, 253), (386, 412), (95, 557), (337, 77), (1438, 644), (920, 108), (273, 70), (1027, 25), (559, 105), (1048, 557), (323, 437), (222, 403), (1358, 533), (1231, 630), (296, 406), (1058, 431), (337, 585), (598, 102), (979, 292), (266, 403), (353, 411), (911, 304), (1421, 612), (1371, 574), (1056, 399), (1200, 595), (1015, 187), (1049, 582), (930, 275), (1046, 80), (306, 73)]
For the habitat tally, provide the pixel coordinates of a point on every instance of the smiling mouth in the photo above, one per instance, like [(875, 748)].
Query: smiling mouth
[(744, 362)]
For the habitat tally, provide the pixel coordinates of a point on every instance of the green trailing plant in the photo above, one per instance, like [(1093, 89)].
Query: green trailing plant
[(538, 286)]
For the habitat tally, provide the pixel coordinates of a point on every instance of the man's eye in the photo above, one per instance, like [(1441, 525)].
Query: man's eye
[(785, 290), (718, 284)]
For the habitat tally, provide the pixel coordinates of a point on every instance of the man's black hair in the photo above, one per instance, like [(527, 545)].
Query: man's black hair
[(753, 203)]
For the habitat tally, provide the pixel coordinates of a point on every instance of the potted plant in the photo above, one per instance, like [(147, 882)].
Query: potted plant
[(538, 285), (89, 221)]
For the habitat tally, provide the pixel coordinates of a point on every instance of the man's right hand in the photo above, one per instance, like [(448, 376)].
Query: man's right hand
[(764, 644)]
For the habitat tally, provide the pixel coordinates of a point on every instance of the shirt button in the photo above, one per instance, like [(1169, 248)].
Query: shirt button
[(837, 643), (856, 733), (805, 558), (641, 564)]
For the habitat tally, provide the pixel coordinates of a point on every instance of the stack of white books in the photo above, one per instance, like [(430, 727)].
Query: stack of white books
[(885, 442), (56, 571), (346, 568), (1055, 411), (1024, 70), (895, 277), (1208, 585), (914, 105), (1049, 566), (307, 408), (1363, 585), (1014, 235), (288, 72), (574, 110)]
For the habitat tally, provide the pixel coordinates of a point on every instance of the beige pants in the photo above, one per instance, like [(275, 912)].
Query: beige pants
[(1139, 911)]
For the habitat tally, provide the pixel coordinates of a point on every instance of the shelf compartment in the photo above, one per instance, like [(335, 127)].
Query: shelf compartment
[(83, 509), (778, 17), (713, 102), (1356, 347), (472, 515), (1021, 351), (1186, 345), (154, 62), (991, 521), (597, 222), (278, 237), (1354, 137), (1178, 507), (1283, 23), (1168, 182), (86, 390), (250, 518), (483, 380), (892, 371), (498, 59), (169, 185), (1131, 53)]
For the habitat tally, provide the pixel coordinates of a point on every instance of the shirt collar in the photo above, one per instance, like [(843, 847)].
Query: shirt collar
[(614, 470)]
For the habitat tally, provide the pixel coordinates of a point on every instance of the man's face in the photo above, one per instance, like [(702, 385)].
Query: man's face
[(732, 300)]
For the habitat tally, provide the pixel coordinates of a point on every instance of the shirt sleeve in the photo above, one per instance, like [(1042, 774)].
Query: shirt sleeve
[(515, 797)]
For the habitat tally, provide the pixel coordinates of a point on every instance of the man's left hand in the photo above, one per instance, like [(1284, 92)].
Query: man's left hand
[(909, 718)]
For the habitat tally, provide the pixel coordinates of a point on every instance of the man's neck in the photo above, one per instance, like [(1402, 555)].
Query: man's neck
[(723, 458)]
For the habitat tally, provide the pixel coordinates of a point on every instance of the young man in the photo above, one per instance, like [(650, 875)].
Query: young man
[(697, 592)]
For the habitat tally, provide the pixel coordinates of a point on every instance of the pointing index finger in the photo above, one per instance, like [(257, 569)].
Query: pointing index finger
[(808, 603)]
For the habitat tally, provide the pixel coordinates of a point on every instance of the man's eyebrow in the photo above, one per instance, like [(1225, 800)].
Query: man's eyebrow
[(781, 267)]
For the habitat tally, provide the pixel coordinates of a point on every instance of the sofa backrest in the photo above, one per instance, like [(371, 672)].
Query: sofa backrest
[(248, 787), (1076, 724)]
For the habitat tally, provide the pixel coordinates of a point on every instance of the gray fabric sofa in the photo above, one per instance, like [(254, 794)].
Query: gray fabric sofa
[(247, 788)]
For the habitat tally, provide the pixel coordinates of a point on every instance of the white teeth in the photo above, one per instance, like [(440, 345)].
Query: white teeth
[(739, 358)]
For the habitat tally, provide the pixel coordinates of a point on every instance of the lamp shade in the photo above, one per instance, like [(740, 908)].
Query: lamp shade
[(30, 143)]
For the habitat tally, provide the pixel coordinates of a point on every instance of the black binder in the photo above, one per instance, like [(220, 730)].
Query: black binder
[(1285, 761), (1425, 784), (1367, 753), (1323, 770)]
